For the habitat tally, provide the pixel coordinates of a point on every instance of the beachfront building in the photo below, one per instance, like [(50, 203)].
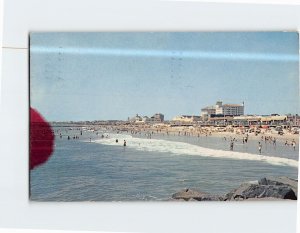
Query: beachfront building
[(136, 119), (273, 120), (252, 120), (293, 120), (221, 109), (233, 109), (219, 120), (158, 117), (246, 120), (207, 112)]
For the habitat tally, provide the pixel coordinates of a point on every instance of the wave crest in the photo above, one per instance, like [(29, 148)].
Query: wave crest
[(183, 148)]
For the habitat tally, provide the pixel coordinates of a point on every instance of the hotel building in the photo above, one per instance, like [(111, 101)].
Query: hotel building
[(223, 109)]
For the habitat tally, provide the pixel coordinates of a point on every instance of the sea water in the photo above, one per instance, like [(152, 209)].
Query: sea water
[(93, 168)]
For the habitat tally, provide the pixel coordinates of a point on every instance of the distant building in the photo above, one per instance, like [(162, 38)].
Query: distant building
[(136, 119), (219, 120), (145, 119), (293, 120), (222, 109), (270, 120), (207, 112), (219, 108), (158, 117), (246, 120), (233, 109), (273, 120)]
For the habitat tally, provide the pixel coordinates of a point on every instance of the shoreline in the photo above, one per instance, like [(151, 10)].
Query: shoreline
[(217, 141), (188, 148), (206, 137)]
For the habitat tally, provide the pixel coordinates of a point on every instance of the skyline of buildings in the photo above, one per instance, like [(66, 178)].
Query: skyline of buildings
[(222, 114)]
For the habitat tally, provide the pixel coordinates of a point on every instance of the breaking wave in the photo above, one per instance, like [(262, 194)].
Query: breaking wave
[(182, 148)]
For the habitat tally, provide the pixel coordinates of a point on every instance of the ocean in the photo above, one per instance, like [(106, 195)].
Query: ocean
[(93, 168)]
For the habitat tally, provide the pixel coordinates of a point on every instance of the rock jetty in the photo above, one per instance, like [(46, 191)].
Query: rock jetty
[(272, 188)]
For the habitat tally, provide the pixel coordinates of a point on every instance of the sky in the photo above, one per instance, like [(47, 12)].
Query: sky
[(113, 76)]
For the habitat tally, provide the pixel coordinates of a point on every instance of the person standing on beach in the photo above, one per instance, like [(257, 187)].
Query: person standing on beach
[(124, 143), (294, 144), (231, 145), (259, 147)]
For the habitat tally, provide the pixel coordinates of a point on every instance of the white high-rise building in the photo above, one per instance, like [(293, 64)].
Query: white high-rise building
[(223, 109), (233, 109)]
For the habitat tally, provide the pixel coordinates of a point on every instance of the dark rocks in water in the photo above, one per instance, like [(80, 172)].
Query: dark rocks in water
[(237, 193), (210, 197), (281, 181), (246, 191), (187, 194), (280, 188), (192, 195)]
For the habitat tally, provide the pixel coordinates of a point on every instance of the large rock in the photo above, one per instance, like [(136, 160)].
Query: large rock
[(237, 194), (209, 197), (246, 191), (281, 181), (192, 195)]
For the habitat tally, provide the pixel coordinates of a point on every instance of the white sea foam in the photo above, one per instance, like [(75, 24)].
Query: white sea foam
[(182, 148)]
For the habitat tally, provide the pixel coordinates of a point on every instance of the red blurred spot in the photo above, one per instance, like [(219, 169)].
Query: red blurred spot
[(41, 139)]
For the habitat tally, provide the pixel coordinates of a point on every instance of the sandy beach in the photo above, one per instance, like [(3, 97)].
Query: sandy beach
[(228, 132)]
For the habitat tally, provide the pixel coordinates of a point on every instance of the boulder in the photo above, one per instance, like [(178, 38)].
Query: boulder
[(209, 197), (187, 194), (281, 181), (237, 193), (192, 195)]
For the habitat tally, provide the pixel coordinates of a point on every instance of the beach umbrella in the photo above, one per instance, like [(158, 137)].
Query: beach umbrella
[(41, 139)]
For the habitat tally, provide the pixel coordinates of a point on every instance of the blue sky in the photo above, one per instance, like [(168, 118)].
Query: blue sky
[(101, 76)]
